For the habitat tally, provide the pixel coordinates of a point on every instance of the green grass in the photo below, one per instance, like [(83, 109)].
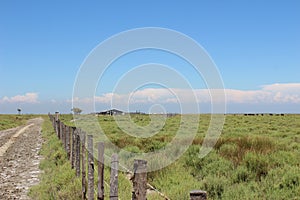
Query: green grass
[(58, 180), (256, 157), (11, 121)]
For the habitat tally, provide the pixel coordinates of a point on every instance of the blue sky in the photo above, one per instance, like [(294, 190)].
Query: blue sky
[(255, 45)]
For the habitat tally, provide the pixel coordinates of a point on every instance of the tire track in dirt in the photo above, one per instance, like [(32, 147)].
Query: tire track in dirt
[(5, 146), (19, 164), (5, 135)]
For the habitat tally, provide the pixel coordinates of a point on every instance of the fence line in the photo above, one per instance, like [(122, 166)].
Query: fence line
[(74, 142)]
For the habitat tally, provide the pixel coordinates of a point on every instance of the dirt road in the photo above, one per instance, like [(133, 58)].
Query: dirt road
[(19, 159)]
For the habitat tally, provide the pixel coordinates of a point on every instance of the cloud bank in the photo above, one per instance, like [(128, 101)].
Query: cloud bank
[(268, 98), (30, 97), (268, 94)]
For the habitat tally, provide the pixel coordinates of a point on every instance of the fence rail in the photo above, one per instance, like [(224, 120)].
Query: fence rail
[(74, 141)]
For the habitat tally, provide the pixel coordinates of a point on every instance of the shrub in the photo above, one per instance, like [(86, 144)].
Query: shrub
[(211, 164), (257, 164), (241, 174), (215, 186), (249, 190), (235, 149), (291, 178), (231, 152)]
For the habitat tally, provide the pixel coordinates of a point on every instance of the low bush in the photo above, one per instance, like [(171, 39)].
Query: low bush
[(257, 164)]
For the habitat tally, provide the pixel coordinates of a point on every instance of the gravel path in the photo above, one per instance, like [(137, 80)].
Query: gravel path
[(19, 163)]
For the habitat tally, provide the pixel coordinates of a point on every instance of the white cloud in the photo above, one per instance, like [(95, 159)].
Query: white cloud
[(288, 87), (270, 94), (30, 97), (274, 93)]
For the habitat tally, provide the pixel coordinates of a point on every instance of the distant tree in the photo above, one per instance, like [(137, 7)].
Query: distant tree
[(19, 111), (76, 111)]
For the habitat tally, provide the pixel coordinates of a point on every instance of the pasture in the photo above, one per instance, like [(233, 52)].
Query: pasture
[(256, 157)]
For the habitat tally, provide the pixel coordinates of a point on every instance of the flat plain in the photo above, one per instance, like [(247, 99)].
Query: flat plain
[(256, 156)]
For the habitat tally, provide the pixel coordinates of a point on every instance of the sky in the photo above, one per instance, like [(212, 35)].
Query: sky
[(255, 46)]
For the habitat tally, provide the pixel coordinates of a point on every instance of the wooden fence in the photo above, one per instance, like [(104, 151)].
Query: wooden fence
[(74, 141)]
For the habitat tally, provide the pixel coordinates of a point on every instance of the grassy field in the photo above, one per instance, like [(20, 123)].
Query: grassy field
[(11, 121), (256, 157), (59, 181)]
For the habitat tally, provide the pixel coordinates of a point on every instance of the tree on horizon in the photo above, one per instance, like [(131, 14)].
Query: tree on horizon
[(76, 111)]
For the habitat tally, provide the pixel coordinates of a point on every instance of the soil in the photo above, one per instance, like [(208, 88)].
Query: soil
[(19, 159)]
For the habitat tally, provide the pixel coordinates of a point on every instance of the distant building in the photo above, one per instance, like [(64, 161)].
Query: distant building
[(111, 112)]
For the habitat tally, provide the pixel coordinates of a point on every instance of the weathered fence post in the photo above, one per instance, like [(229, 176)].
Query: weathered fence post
[(77, 152), (55, 125), (56, 116), (68, 136), (90, 168), (198, 195), (113, 195), (56, 122), (100, 171), (73, 147), (83, 164), (63, 134), (58, 129), (139, 180), (65, 137), (71, 144), (53, 122)]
